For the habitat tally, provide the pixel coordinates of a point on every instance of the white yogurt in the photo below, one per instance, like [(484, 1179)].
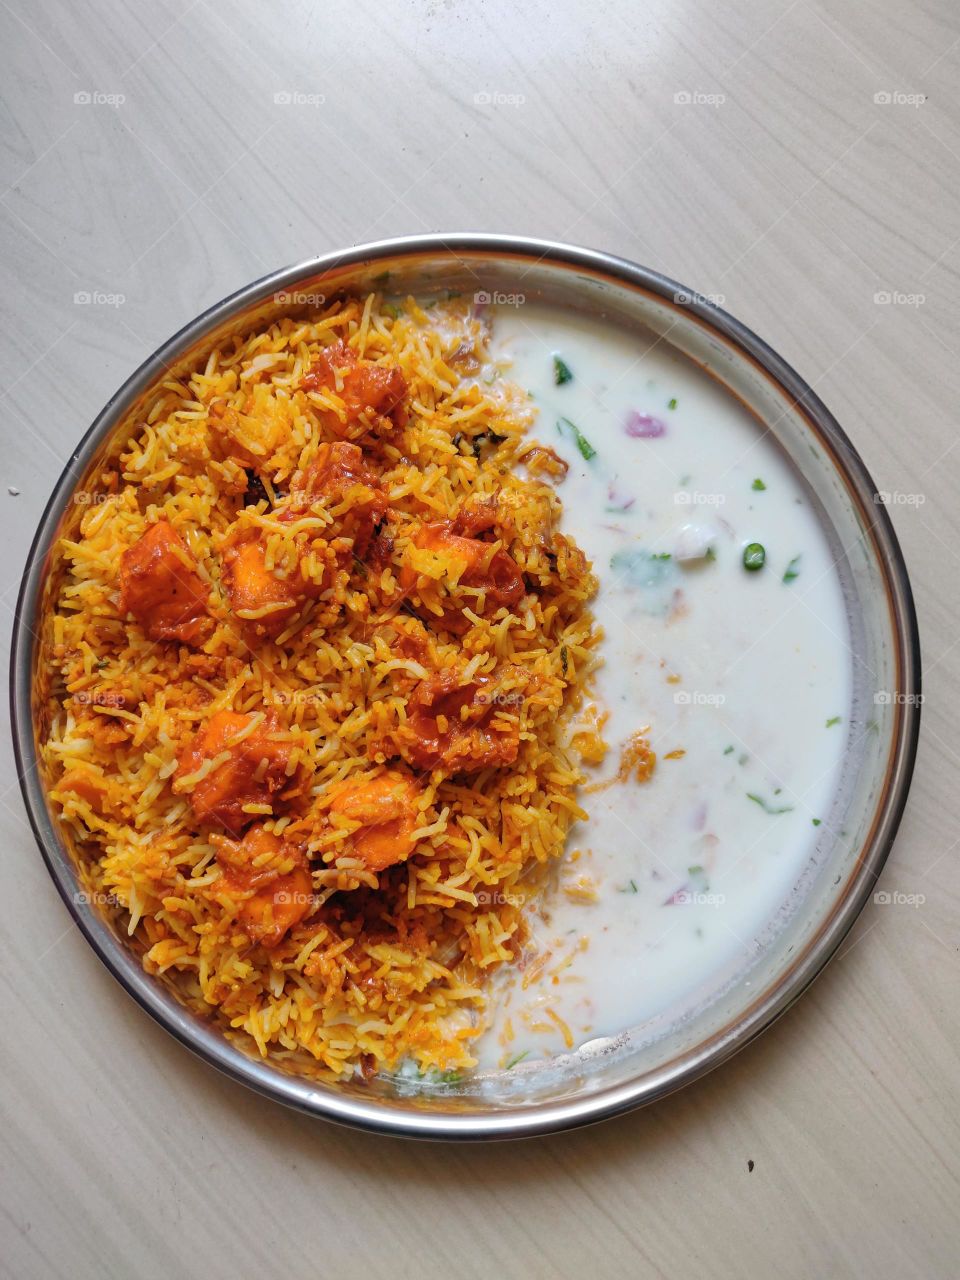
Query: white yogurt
[(747, 674)]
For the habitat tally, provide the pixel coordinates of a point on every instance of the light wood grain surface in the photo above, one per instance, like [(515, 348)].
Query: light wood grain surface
[(802, 160)]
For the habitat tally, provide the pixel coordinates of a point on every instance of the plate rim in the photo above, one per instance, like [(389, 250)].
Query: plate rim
[(539, 1118)]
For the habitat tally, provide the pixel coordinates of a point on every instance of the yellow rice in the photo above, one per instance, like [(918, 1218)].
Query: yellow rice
[(390, 971)]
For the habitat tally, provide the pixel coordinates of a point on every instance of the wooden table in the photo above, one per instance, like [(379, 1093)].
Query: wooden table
[(798, 159)]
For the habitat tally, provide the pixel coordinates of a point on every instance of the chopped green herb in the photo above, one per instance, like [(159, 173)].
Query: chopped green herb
[(381, 278), (561, 372), (793, 570), (564, 658), (698, 879), (517, 1057), (754, 556), (629, 887), (767, 807), (833, 720), (743, 759), (672, 404), (583, 444), (815, 821), (684, 481), (728, 750), (758, 485), (360, 567), (392, 311), (452, 1076), (711, 554)]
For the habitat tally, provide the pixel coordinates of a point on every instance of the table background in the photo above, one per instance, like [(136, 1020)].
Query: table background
[(798, 159)]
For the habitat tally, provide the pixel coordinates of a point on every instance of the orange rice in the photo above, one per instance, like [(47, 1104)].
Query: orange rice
[(376, 967)]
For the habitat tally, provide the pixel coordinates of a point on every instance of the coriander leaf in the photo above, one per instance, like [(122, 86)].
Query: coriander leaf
[(793, 570), (561, 372), (583, 444), (767, 807)]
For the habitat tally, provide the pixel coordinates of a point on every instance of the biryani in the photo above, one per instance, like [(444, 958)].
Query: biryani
[(317, 650)]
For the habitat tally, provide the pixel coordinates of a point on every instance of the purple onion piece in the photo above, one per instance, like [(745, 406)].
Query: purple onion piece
[(641, 426), (680, 898)]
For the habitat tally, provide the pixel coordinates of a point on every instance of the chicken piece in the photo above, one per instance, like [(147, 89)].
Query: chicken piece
[(251, 433), (385, 808), (160, 586), (252, 768), (461, 728), (257, 596), (404, 635), (475, 518), (339, 475), (85, 786), (371, 394), (496, 573), (275, 874), (108, 733)]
